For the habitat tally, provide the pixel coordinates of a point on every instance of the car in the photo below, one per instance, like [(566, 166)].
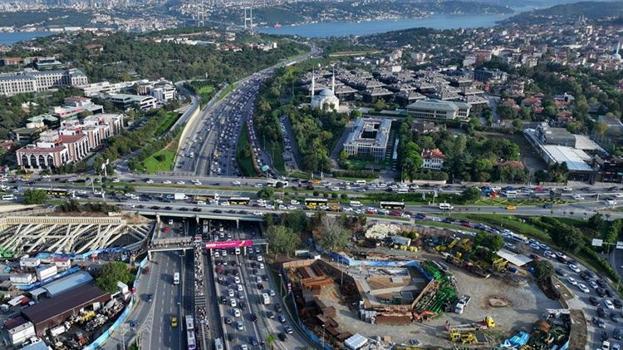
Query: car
[(244, 347), (616, 346), (230, 293), (617, 303), (593, 300), (232, 302), (282, 336), (608, 304), (150, 298), (278, 307), (561, 273), (227, 320), (237, 280), (614, 317), (594, 285), (270, 314), (239, 287), (288, 329), (583, 288), (601, 312), (598, 322), (253, 341), (281, 318), (271, 293), (236, 313), (239, 326), (252, 317), (574, 268), (173, 321), (572, 281), (605, 345), (616, 334)]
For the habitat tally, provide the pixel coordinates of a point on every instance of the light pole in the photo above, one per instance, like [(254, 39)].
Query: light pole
[(322, 336)]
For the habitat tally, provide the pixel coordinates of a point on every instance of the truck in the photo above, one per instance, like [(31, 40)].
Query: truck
[(180, 197), (462, 304)]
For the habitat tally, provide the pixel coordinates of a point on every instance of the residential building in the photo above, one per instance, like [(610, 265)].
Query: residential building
[(369, 138), (432, 159), (438, 109)]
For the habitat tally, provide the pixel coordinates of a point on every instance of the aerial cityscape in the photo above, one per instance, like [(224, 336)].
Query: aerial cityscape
[(311, 174)]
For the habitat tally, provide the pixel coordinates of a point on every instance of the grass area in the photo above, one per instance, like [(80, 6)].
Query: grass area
[(502, 201), (243, 154), (275, 150), (163, 160), (167, 123), (510, 222), (205, 92)]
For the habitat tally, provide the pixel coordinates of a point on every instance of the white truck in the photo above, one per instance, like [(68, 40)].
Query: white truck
[(462, 304), (180, 197)]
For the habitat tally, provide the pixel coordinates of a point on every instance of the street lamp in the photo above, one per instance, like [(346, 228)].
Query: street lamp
[(322, 336)]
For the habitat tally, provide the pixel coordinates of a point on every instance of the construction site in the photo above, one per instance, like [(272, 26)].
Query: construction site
[(440, 291)]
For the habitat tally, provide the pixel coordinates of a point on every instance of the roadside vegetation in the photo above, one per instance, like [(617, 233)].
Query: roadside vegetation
[(244, 154)]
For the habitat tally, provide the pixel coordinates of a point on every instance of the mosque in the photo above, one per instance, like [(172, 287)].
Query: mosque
[(326, 98)]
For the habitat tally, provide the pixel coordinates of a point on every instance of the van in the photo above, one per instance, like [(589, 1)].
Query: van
[(8, 197)]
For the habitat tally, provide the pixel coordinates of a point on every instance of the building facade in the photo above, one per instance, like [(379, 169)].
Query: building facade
[(369, 138), (432, 159), (439, 109), (31, 80)]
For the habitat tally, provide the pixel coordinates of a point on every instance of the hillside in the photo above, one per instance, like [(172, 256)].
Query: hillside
[(592, 10)]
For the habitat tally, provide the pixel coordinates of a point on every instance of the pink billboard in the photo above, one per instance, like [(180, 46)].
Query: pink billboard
[(229, 244)]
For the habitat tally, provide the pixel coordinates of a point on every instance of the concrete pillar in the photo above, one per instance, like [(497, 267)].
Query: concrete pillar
[(149, 255)]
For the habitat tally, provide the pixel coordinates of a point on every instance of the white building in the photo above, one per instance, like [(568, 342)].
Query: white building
[(369, 138), (439, 109), (31, 80), (326, 99), (432, 159)]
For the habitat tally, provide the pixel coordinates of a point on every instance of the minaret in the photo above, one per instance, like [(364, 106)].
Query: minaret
[(333, 81), (313, 85)]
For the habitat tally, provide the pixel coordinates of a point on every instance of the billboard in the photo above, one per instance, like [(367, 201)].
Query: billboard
[(229, 244)]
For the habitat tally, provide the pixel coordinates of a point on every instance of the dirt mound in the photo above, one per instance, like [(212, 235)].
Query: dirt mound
[(498, 301)]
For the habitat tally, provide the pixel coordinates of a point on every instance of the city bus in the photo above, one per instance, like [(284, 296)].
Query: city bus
[(392, 205), (176, 278), (218, 344), (60, 192), (190, 338), (190, 323), (314, 203), (239, 200)]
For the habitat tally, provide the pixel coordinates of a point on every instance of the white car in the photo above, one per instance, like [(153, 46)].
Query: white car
[(259, 258), (166, 182), (578, 197), (237, 279), (180, 182), (150, 181), (230, 293), (239, 288), (271, 293), (574, 268), (583, 288), (236, 313), (262, 266), (232, 302), (572, 281), (609, 304)]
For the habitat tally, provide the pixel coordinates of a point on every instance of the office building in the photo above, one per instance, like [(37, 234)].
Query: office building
[(438, 109), (369, 138), (31, 80)]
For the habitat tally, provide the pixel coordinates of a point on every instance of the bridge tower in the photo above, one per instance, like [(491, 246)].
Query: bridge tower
[(248, 18)]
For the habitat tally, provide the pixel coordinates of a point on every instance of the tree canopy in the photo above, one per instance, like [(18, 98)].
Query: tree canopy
[(111, 273)]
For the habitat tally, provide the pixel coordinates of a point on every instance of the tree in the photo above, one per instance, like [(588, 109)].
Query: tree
[(282, 240), (270, 341), (266, 193), (334, 235), (490, 241), (35, 196), (470, 194), (543, 270), (111, 273), (296, 220)]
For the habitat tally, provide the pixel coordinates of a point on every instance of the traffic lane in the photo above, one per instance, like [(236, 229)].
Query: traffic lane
[(165, 306)]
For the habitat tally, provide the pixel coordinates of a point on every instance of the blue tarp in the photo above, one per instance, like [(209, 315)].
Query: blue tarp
[(518, 340)]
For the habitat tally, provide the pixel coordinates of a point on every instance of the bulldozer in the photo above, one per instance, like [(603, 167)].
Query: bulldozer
[(463, 337)]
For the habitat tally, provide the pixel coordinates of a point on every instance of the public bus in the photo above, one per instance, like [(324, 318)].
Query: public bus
[(190, 339), (190, 323), (218, 344), (176, 278), (60, 192), (392, 205), (314, 203), (239, 200)]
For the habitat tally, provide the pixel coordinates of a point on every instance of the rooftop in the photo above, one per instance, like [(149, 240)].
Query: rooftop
[(50, 308), (68, 282)]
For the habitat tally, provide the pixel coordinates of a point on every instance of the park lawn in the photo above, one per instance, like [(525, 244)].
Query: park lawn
[(206, 92), (167, 123), (152, 165), (244, 163)]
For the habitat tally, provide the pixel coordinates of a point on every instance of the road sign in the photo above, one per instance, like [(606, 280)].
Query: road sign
[(597, 242), (619, 245)]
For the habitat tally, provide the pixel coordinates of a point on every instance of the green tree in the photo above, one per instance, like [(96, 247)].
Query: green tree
[(296, 220), (470, 194), (35, 196), (266, 193), (111, 273), (333, 235), (282, 240), (543, 270), (490, 241)]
